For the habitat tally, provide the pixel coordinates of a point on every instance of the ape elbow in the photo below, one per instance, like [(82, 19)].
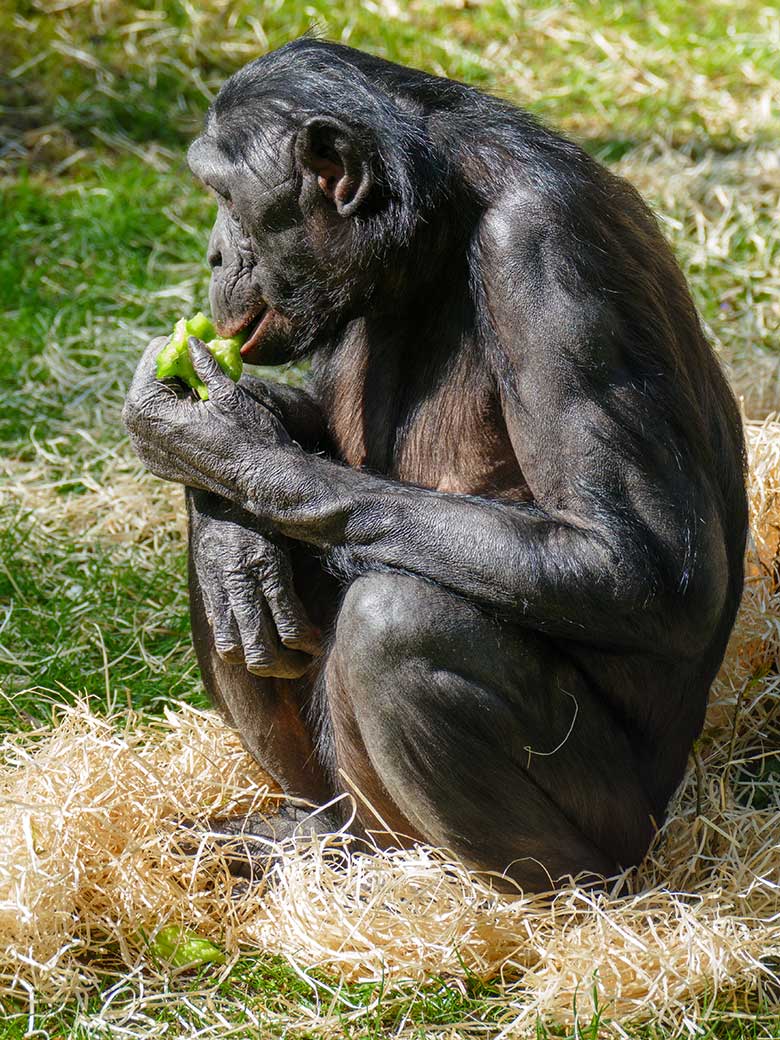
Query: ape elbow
[(681, 616)]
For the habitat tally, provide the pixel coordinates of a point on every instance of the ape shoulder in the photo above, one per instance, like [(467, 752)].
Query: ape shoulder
[(592, 399), (542, 287)]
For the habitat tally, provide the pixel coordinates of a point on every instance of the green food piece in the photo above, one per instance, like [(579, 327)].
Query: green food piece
[(173, 361), (228, 355), (201, 326), (184, 948)]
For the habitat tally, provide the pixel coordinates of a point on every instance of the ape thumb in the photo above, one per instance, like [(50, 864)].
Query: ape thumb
[(207, 367)]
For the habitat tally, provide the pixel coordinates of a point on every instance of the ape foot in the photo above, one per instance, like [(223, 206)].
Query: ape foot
[(252, 845)]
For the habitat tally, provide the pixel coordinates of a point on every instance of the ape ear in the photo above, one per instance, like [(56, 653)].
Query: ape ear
[(328, 149)]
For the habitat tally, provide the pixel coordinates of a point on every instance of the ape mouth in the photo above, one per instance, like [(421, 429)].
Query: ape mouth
[(255, 329)]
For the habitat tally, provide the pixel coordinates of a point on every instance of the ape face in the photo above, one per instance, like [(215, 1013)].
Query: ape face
[(256, 229), (287, 199)]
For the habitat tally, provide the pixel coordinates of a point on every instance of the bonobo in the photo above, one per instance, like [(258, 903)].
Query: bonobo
[(482, 571)]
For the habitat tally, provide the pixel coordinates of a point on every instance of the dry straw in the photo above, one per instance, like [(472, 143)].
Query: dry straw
[(91, 867)]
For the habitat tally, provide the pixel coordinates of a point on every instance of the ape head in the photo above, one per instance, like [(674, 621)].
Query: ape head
[(323, 184)]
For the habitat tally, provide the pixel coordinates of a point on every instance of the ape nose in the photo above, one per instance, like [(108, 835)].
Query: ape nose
[(215, 258)]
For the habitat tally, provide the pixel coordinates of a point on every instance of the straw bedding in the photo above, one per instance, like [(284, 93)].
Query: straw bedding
[(91, 865)]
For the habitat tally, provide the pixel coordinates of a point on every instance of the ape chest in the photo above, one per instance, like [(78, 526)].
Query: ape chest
[(452, 443)]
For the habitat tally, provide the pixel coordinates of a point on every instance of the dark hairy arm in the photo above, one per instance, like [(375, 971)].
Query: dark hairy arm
[(548, 564), (544, 567)]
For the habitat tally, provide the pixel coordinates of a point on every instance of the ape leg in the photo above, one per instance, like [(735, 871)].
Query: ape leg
[(479, 736), (270, 714)]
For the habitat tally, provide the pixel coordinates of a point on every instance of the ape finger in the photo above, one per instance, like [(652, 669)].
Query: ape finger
[(288, 664), (146, 369), (209, 594), (263, 654), (148, 398), (292, 625), (225, 629), (255, 625), (207, 367)]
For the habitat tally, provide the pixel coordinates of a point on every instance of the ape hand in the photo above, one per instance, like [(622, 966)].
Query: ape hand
[(248, 594), (201, 444)]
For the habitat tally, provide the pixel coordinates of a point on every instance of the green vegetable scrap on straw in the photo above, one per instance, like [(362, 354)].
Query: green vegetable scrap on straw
[(182, 948)]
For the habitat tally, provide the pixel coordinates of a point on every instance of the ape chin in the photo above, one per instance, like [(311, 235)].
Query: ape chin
[(488, 574)]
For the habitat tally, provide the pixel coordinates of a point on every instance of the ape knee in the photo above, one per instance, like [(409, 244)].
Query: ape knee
[(382, 619)]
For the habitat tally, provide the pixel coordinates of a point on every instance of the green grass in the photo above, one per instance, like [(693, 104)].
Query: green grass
[(81, 267), (268, 990), (108, 619), (82, 259), (686, 72), (262, 995), (102, 237)]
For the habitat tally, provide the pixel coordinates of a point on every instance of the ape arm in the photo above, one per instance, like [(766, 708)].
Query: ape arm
[(607, 538), (541, 567), (623, 531)]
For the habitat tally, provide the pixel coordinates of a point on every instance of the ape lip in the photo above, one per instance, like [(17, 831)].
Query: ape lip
[(256, 328)]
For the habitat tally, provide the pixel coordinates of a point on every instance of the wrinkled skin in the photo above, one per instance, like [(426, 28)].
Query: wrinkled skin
[(250, 600), (481, 572)]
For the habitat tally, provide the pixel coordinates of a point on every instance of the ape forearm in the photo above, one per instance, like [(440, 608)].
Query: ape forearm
[(514, 559)]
